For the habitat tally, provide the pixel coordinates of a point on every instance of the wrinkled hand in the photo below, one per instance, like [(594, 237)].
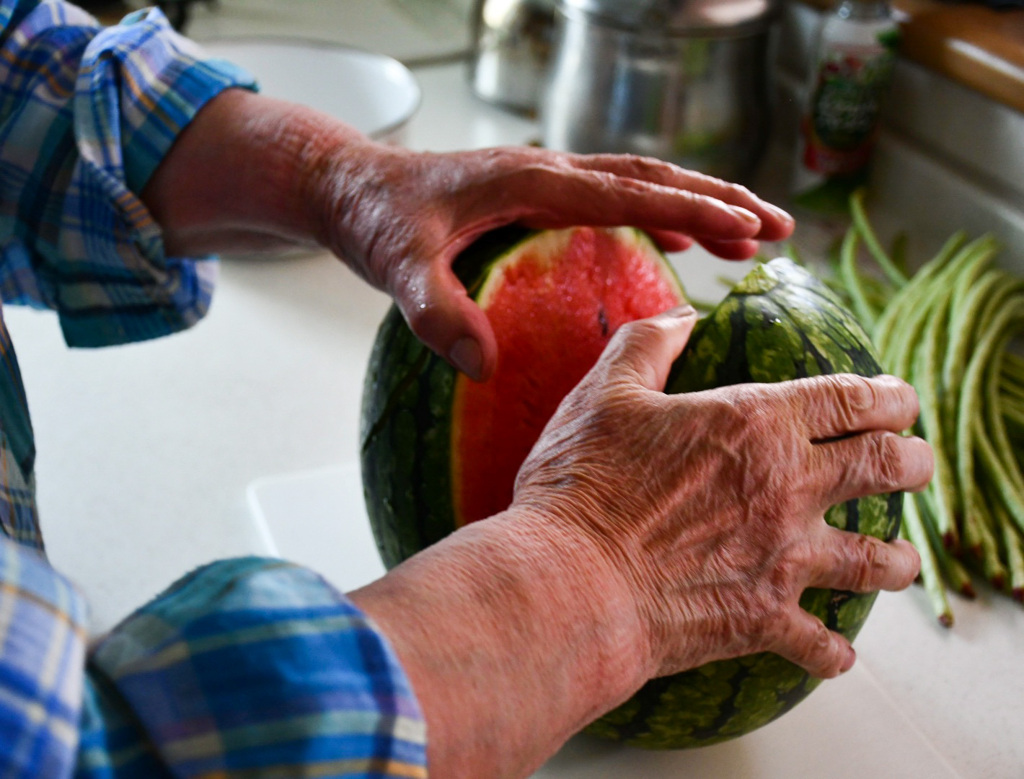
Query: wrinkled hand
[(711, 504), (399, 218)]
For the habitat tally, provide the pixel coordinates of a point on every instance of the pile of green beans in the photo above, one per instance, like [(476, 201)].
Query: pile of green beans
[(949, 330)]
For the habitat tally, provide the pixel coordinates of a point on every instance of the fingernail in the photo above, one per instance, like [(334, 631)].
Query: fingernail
[(851, 658), (682, 311), (778, 213), (467, 357), (748, 216)]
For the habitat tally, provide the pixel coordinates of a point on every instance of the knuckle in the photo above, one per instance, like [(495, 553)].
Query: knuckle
[(751, 401), (757, 410), (831, 664), (890, 458), (532, 173), (770, 622), (738, 192), (809, 644), (641, 331), (647, 167), (730, 411), (427, 319), (635, 184), (870, 564), (821, 638), (800, 559), (821, 657), (852, 396)]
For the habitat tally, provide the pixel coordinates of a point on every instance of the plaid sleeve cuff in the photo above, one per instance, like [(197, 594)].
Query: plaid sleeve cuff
[(139, 85), (126, 124), (251, 663), (42, 661)]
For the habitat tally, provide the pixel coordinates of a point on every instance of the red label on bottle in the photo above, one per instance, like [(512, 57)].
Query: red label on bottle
[(829, 161)]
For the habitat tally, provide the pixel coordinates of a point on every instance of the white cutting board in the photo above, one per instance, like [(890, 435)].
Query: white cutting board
[(848, 728)]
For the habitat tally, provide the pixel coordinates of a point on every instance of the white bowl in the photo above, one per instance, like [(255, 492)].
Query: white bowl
[(372, 92)]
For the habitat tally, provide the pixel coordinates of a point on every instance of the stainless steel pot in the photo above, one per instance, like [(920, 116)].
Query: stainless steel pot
[(687, 81), (511, 50)]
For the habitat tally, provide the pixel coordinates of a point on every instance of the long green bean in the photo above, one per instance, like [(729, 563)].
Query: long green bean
[(950, 329), (914, 354), (860, 221), (853, 282), (910, 291), (1010, 389), (924, 378), (963, 330), (1001, 481), (988, 547), (1013, 551), (1013, 416), (971, 420), (899, 252), (1013, 366), (931, 576), (897, 345)]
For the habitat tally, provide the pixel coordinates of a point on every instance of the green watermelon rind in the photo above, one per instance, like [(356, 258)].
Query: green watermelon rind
[(395, 420), (779, 323), (403, 410)]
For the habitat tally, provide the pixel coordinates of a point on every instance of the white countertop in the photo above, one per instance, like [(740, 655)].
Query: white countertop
[(146, 453)]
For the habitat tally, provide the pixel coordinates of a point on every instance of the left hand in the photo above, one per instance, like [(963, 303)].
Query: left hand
[(400, 218), (254, 172)]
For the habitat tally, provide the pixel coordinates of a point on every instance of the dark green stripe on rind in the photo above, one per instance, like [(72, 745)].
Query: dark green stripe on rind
[(779, 323), (408, 499)]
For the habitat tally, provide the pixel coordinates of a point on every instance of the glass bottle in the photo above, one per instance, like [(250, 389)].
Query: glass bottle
[(856, 54)]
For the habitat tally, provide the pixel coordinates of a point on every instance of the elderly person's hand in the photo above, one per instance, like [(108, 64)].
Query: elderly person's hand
[(648, 534), (710, 505), (400, 218), (251, 171)]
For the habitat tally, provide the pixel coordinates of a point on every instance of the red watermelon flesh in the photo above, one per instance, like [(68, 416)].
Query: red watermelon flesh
[(554, 303)]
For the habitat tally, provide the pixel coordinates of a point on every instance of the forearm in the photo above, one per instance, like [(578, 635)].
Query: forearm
[(245, 174), (515, 635)]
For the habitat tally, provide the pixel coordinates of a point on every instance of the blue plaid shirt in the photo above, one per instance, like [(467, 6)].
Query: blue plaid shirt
[(247, 667)]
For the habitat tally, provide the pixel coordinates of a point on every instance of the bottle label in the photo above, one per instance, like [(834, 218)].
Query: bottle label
[(839, 129)]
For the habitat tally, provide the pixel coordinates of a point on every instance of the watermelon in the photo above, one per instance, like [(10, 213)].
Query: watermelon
[(439, 450), (780, 322)]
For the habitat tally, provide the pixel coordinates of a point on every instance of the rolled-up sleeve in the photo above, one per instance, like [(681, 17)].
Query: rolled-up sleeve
[(86, 115), (257, 664)]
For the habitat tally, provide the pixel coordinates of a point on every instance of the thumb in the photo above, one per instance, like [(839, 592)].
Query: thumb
[(444, 317), (647, 348)]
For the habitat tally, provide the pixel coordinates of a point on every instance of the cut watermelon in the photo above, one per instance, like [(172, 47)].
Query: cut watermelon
[(440, 450)]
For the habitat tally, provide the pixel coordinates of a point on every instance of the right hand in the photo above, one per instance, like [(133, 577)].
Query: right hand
[(709, 505)]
